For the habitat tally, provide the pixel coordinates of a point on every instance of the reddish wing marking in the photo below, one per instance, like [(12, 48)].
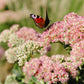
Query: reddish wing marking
[(40, 22)]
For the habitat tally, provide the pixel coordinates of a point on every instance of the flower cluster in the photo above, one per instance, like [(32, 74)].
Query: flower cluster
[(14, 41), (15, 36), (70, 30), (71, 67), (11, 55), (46, 69), (52, 69), (28, 34), (24, 43), (58, 58), (4, 36), (23, 52), (77, 53)]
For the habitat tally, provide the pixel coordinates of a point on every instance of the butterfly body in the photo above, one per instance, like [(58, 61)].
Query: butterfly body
[(39, 21)]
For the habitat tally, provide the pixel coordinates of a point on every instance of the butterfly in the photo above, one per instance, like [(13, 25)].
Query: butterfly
[(39, 21)]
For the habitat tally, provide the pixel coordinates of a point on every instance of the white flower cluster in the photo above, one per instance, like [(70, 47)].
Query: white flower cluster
[(58, 58), (14, 28), (23, 52), (27, 50), (11, 55), (4, 36), (14, 41)]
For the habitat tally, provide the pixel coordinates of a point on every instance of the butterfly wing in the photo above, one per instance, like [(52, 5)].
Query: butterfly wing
[(47, 21), (39, 21)]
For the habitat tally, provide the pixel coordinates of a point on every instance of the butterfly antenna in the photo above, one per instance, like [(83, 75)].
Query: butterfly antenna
[(47, 21)]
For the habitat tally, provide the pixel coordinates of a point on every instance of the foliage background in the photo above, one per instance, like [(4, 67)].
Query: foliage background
[(18, 11)]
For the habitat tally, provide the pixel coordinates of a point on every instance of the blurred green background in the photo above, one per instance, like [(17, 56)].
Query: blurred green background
[(18, 12)]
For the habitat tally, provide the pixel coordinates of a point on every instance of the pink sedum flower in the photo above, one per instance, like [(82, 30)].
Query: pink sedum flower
[(72, 68), (68, 30), (46, 70), (32, 67), (77, 53), (28, 34)]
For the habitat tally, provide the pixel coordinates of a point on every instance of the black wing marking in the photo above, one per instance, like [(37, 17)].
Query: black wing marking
[(47, 21), (38, 16)]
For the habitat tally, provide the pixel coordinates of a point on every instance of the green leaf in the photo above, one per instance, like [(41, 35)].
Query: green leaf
[(19, 74), (17, 69)]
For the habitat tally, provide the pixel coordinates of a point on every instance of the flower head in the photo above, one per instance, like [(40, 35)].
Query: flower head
[(44, 68), (28, 34), (68, 30)]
